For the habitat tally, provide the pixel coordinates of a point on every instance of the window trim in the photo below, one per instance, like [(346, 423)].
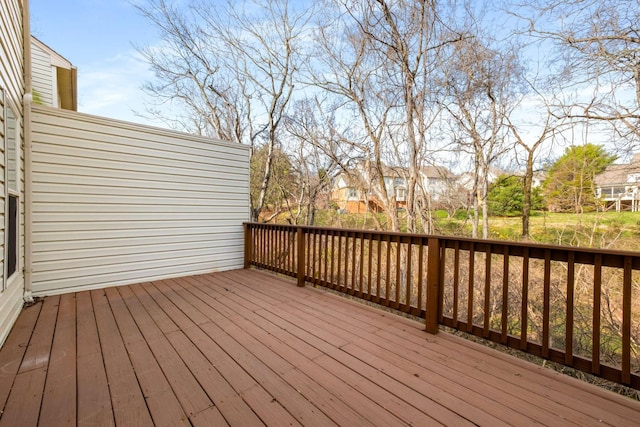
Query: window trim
[(9, 105)]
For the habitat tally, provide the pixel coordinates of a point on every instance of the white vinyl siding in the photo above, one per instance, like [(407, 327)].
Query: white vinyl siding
[(43, 75), (11, 81), (116, 203)]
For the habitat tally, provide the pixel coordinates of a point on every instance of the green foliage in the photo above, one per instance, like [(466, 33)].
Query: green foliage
[(506, 196), (283, 179), (569, 186), (461, 214), (440, 214), (37, 97)]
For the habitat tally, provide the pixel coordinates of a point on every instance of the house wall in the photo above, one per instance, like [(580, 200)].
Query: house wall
[(116, 203), (12, 83), (42, 75)]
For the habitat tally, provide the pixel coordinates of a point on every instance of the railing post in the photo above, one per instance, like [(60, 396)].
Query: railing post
[(247, 245), (300, 261), (433, 284)]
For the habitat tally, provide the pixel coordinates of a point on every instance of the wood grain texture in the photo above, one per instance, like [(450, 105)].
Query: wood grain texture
[(247, 348)]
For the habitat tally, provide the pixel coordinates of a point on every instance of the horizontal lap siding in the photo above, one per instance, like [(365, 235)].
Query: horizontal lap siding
[(42, 75), (11, 81), (116, 203)]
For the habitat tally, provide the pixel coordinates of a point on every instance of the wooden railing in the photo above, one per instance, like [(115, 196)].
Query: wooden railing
[(575, 306)]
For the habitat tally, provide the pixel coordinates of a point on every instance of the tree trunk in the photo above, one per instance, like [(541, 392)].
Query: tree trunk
[(527, 184)]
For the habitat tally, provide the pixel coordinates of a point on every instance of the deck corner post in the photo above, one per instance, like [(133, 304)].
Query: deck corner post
[(247, 245), (300, 257), (433, 285)]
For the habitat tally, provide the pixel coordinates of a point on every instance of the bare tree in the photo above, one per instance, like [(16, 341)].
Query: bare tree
[(481, 83), (531, 142), (380, 58), (310, 134), (232, 67), (598, 49), (345, 70)]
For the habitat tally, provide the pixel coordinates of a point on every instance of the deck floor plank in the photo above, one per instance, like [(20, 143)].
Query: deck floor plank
[(296, 404), (429, 358), (14, 349), (566, 402), (459, 382), (288, 349), (560, 390), (127, 399), (57, 409), (25, 399), (94, 400), (278, 356), (249, 348), (163, 404), (262, 403), (178, 377)]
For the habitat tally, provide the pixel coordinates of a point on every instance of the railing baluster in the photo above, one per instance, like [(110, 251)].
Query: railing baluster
[(314, 259), (487, 291), (443, 262), (264, 245), (300, 257), (505, 295), (525, 299), (369, 278), (361, 277), (568, 352), (338, 280), (396, 303), (288, 248), (276, 254), (471, 287), (326, 256), (420, 273), (333, 256), (378, 267), (247, 246), (546, 303), (388, 268), (597, 295), (270, 247), (456, 282), (292, 249), (409, 289), (259, 245), (626, 321), (433, 281), (352, 289)]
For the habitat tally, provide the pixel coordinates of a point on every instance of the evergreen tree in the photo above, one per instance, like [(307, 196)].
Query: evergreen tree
[(569, 186), (506, 196)]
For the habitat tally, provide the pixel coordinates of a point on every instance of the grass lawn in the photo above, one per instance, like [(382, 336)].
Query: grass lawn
[(615, 230), (600, 229)]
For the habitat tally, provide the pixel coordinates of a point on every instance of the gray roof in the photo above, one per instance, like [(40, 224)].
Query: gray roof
[(618, 174)]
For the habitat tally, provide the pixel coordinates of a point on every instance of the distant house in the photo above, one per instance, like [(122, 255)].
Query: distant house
[(465, 180), (357, 190), (437, 182), (619, 185), (55, 80)]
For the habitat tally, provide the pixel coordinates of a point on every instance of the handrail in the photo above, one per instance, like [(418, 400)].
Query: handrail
[(575, 306)]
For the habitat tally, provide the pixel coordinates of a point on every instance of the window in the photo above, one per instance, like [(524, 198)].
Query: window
[(12, 187), (400, 193), (353, 193)]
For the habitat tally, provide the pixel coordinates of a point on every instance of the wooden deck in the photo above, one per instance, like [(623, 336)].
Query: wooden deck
[(247, 348)]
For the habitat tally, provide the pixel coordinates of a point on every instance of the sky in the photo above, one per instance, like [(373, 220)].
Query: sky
[(99, 38)]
